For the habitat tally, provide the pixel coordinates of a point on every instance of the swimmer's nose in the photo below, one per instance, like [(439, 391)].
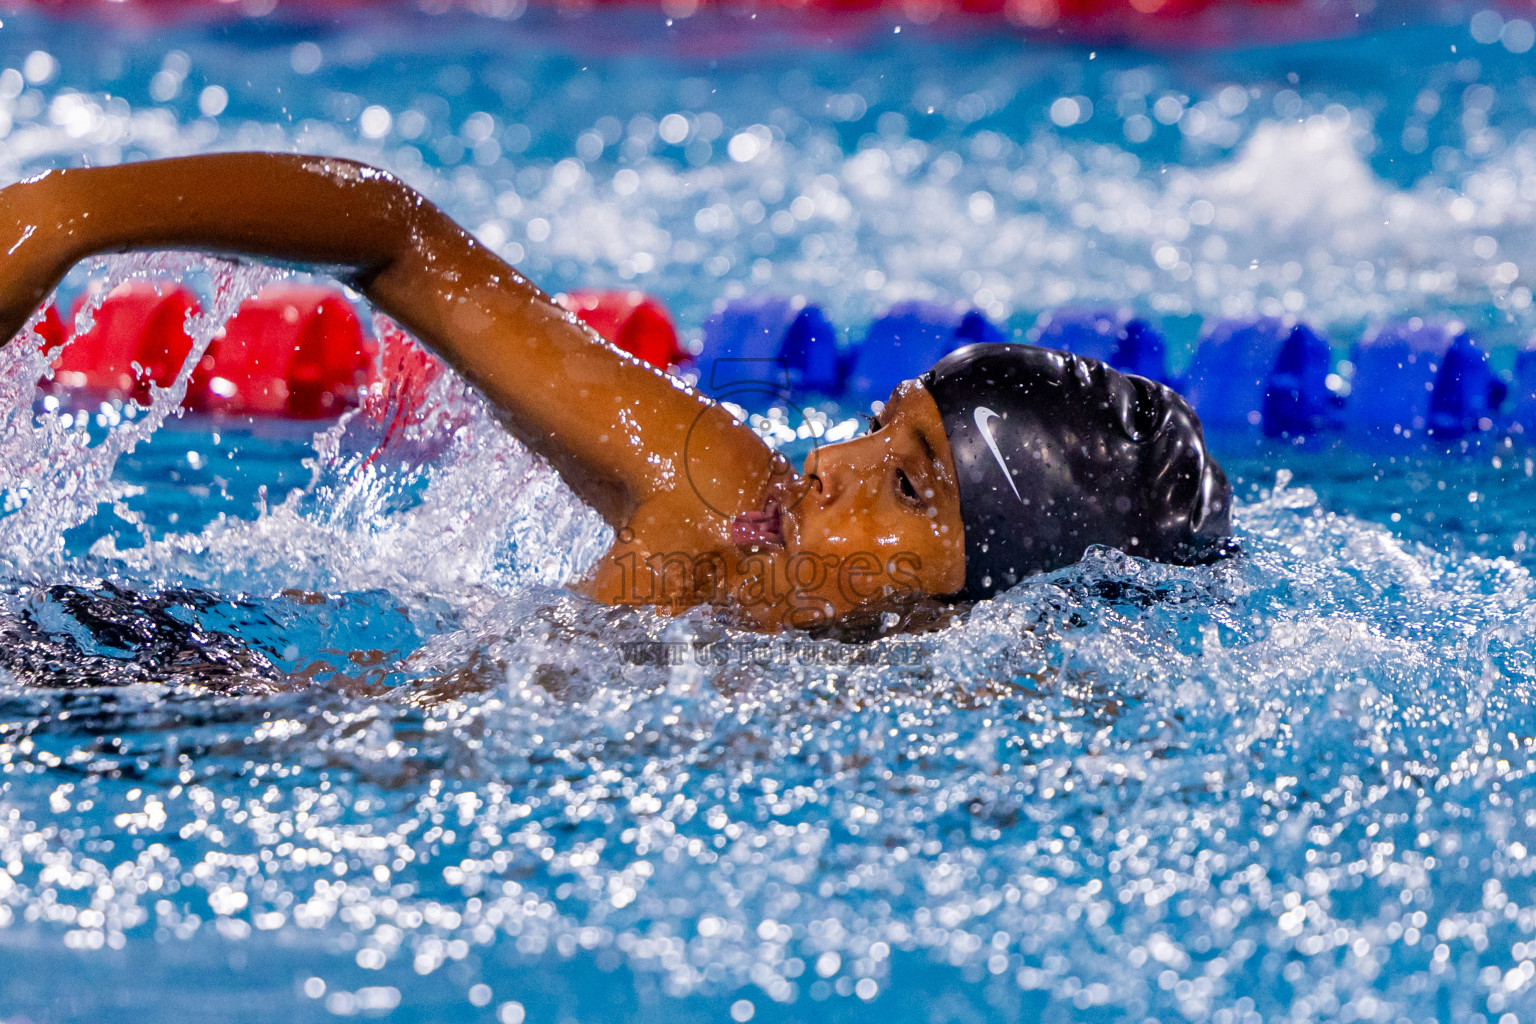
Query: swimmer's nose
[(821, 479), (836, 473)]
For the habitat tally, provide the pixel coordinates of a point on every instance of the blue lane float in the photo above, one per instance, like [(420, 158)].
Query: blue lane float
[(906, 340), (1128, 344), (1410, 378), (1524, 411), (1263, 372), (1297, 399), (770, 343), (1230, 371), (1417, 377)]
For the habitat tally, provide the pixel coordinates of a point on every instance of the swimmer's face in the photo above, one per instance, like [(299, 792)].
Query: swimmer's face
[(883, 510)]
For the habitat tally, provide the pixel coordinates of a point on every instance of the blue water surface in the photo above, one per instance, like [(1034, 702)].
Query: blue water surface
[(297, 722)]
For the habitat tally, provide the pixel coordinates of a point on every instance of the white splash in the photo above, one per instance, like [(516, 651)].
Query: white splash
[(52, 476)]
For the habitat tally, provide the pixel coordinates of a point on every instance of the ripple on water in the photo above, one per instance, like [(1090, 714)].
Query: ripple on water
[(1285, 785)]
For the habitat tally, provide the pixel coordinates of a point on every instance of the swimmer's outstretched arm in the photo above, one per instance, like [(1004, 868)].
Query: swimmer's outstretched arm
[(616, 429)]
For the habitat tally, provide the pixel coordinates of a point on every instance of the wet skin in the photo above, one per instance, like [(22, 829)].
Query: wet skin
[(704, 511), (872, 525)]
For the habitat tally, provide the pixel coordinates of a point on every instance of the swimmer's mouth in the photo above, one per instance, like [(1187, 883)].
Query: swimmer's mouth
[(763, 529)]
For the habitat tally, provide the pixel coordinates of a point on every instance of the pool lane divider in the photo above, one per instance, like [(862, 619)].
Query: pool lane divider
[(822, 24), (773, 341), (1265, 372), (138, 338), (1127, 343), (301, 352), (292, 352), (1523, 412), (1418, 377)]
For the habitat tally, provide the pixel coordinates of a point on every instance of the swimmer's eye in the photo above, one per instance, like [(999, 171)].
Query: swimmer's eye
[(904, 485)]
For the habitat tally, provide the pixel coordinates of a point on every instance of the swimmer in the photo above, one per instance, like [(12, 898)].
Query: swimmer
[(999, 462)]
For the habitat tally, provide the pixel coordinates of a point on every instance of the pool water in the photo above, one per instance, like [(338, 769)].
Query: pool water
[(298, 723)]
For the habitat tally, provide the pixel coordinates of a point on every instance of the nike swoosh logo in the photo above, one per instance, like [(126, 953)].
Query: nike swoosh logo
[(984, 418)]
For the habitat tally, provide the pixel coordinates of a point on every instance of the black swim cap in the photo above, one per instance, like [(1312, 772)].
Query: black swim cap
[(1056, 452)]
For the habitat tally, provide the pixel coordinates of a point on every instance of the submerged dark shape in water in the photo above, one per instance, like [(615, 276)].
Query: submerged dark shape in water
[(72, 636)]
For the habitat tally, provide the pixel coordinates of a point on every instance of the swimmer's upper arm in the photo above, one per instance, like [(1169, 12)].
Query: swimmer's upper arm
[(618, 430)]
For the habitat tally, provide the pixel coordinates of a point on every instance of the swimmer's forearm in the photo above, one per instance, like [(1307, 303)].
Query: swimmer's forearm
[(241, 204), (563, 390), (370, 229)]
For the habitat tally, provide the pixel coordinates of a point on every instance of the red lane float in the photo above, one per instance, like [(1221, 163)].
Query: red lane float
[(632, 320), (835, 24), (297, 352), (139, 323), (51, 329), (291, 351)]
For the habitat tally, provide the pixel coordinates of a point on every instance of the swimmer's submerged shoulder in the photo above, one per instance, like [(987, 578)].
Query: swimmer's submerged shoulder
[(622, 434)]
